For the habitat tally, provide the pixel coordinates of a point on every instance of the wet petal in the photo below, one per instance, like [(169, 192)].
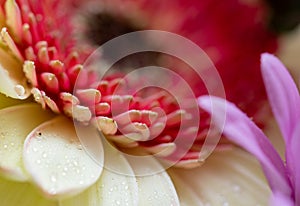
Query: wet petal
[(16, 123), (282, 93), (226, 178), (21, 194), (116, 186), (242, 131), (154, 183), (56, 160), (13, 81)]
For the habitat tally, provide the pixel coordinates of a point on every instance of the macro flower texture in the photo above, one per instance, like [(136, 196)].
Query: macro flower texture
[(213, 26), (49, 101), (282, 175)]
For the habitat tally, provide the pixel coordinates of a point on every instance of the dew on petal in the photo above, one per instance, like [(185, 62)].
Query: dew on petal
[(61, 167)]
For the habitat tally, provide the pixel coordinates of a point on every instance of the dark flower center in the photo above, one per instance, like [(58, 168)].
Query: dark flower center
[(104, 26), (285, 15)]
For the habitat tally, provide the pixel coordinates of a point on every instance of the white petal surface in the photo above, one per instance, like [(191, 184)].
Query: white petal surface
[(21, 194), (16, 123), (56, 160), (227, 178), (155, 185), (13, 81), (112, 188), (187, 196)]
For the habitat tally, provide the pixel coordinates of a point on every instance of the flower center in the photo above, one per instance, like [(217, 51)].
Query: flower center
[(103, 26)]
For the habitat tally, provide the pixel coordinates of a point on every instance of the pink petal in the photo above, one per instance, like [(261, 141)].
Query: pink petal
[(242, 131), (293, 154), (282, 93), (279, 199)]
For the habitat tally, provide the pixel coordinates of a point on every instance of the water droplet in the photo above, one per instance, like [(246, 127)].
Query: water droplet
[(75, 163), (5, 146), (52, 191), (225, 204), (39, 137), (53, 178), (35, 149), (12, 144), (79, 147), (44, 155), (236, 188), (38, 161)]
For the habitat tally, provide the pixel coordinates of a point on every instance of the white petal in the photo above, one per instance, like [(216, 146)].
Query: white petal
[(113, 187), (227, 178), (13, 80), (187, 196), (56, 160), (155, 185), (16, 123), (21, 194)]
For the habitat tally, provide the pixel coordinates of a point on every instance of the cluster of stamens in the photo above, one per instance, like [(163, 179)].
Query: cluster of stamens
[(59, 81)]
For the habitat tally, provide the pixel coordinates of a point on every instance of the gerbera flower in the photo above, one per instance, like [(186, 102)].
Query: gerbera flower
[(114, 188), (211, 25), (38, 58), (284, 98), (52, 69)]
